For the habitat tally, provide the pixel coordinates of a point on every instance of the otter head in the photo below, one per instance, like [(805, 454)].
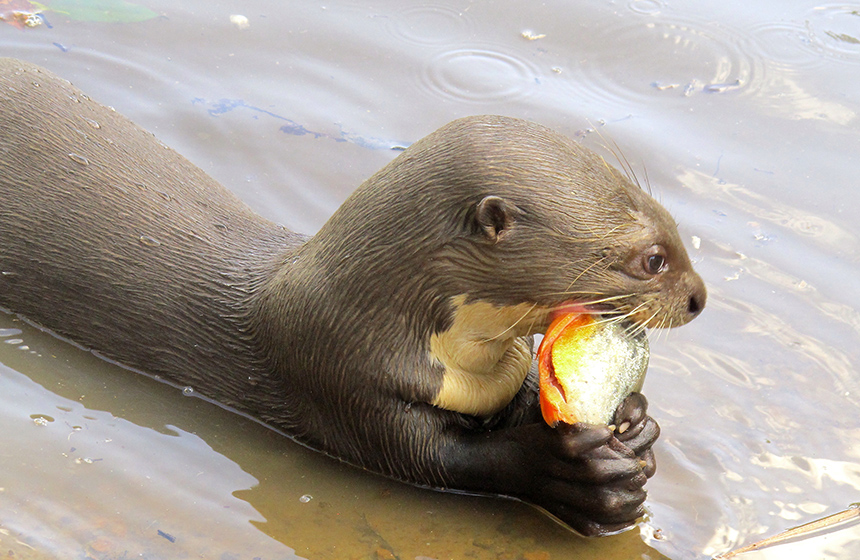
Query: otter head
[(551, 224), (486, 228)]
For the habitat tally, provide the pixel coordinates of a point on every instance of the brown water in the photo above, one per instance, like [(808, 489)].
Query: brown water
[(743, 116)]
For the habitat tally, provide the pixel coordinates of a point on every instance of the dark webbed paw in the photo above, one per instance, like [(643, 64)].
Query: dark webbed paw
[(597, 483), (637, 430)]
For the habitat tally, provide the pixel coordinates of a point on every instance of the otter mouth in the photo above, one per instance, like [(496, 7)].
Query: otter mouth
[(602, 309), (574, 307)]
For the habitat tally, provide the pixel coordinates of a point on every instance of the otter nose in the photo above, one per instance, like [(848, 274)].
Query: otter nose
[(698, 296), (694, 307)]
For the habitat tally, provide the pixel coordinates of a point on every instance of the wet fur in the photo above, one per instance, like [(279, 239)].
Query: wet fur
[(141, 256)]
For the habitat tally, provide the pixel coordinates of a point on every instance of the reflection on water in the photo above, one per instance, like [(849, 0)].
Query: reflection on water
[(130, 467), (743, 119)]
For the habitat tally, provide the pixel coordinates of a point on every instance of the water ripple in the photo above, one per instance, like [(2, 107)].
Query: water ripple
[(430, 25), (479, 74), (835, 30), (807, 40), (648, 7), (786, 44), (705, 58)]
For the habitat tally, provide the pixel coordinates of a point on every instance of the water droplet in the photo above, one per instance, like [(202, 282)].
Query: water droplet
[(165, 196), (149, 241), (79, 159), (188, 391), (41, 419), (306, 498), (92, 123), (9, 332), (14, 341)]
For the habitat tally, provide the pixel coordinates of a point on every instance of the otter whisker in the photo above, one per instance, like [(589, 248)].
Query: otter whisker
[(647, 181), (644, 324), (622, 160), (517, 322), (624, 163), (621, 317), (581, 274), (608, 299), (665, 331), (610, 232), (590, 299), (661, 328)]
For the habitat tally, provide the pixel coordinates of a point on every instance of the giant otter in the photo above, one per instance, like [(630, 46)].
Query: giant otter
[(398, 338)]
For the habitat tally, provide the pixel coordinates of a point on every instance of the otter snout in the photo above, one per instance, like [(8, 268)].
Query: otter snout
[(697, 295), (697, 303), (680, 299)]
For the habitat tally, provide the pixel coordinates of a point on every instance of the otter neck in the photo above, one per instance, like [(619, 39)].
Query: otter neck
[(486, 355)]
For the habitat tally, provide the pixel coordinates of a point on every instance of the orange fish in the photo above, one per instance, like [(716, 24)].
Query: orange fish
[(588, 366)]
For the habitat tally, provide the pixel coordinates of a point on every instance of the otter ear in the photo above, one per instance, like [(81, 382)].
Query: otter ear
[(494, 217)]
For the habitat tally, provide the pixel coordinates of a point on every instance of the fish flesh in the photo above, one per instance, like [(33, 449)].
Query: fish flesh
[(588, 365)]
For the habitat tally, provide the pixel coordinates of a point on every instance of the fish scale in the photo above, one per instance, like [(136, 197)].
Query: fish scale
[(588, 367)]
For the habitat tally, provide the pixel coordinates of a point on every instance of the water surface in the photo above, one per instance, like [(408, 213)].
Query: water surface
[(742, 118)]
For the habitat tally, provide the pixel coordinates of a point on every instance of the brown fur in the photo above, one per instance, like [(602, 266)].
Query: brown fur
[(118, 243)]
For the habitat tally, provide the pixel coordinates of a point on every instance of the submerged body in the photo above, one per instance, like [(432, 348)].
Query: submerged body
[(397, 339)]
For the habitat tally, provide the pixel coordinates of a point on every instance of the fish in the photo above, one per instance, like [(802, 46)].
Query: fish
[(588, 365)]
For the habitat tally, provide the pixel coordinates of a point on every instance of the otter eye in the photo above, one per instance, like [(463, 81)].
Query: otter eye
[(654, 260), (655, 264)]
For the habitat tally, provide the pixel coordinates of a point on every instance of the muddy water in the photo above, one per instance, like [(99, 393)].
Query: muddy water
[(742, 117)]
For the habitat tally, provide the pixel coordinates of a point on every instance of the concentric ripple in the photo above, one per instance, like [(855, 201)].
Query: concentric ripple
[(430, 25), (807, 39), (649, 7), (670, 58), (835, 30), (479, 75), (786, 43)]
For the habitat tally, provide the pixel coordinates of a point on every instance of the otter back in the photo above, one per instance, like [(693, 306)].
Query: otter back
[(114, 240)]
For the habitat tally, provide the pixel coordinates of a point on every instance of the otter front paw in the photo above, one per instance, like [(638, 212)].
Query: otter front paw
[(637, 430), (588, 476), (594, 482)]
